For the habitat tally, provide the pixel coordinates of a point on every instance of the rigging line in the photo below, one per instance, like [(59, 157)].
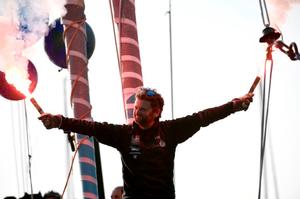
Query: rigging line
[(262, 131), (264, 123), (118, 51), (272, 175), (21, 148), (267, 127), (14, 146), (72, 164), (265, 176), (66, 112), (28, 151), (115, 37), (121, 9), (273, 168), (171, 60), (264, 12)]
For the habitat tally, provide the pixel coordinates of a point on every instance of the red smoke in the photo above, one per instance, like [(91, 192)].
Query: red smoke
[(278, 10)]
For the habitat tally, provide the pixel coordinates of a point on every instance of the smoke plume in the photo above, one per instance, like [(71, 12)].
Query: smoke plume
[(23, 23), (278, 10)]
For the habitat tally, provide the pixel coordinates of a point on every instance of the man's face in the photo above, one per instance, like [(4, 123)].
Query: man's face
[(144, 114)]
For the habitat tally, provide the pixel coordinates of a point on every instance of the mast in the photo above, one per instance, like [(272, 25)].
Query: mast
[(130, 69), (77, 61)]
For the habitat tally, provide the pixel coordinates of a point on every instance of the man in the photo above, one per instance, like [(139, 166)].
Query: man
[(117, 193), (147, 146)]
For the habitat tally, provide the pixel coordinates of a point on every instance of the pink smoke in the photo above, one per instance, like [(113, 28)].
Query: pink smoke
[(278, 10), (23, 23), (11, 47)]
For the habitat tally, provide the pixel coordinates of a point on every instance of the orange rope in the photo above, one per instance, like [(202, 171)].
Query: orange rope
[(72, 163), (79, 22), (75, 84)]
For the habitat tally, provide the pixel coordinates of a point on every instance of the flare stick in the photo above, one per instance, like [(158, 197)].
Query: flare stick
[(254, 84), (36, 105)]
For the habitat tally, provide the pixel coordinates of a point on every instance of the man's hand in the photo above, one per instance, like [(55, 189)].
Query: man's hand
[(51, 121), (243, 102)]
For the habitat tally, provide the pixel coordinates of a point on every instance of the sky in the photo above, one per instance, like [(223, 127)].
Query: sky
[(216, 56)]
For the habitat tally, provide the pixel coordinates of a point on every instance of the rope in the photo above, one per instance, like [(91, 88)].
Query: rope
[(71, 167), (28, 151), (119, 54), (20, 121), (115, 37), (14, 144), (264, 13), (171, 60), (118, 47), (76, 80), (264, 121), (276, 192), (80, 23), (120, 22)]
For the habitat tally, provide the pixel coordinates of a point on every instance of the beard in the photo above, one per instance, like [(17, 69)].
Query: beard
[(140, 120)]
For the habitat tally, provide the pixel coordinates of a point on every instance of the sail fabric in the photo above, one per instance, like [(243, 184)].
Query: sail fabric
[(130, 63)]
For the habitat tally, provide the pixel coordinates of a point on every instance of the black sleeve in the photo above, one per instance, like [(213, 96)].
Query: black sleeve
[(104, 132), (183, 128), (211, 115)]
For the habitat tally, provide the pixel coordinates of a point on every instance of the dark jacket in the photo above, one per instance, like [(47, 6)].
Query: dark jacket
[(148, 155)]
